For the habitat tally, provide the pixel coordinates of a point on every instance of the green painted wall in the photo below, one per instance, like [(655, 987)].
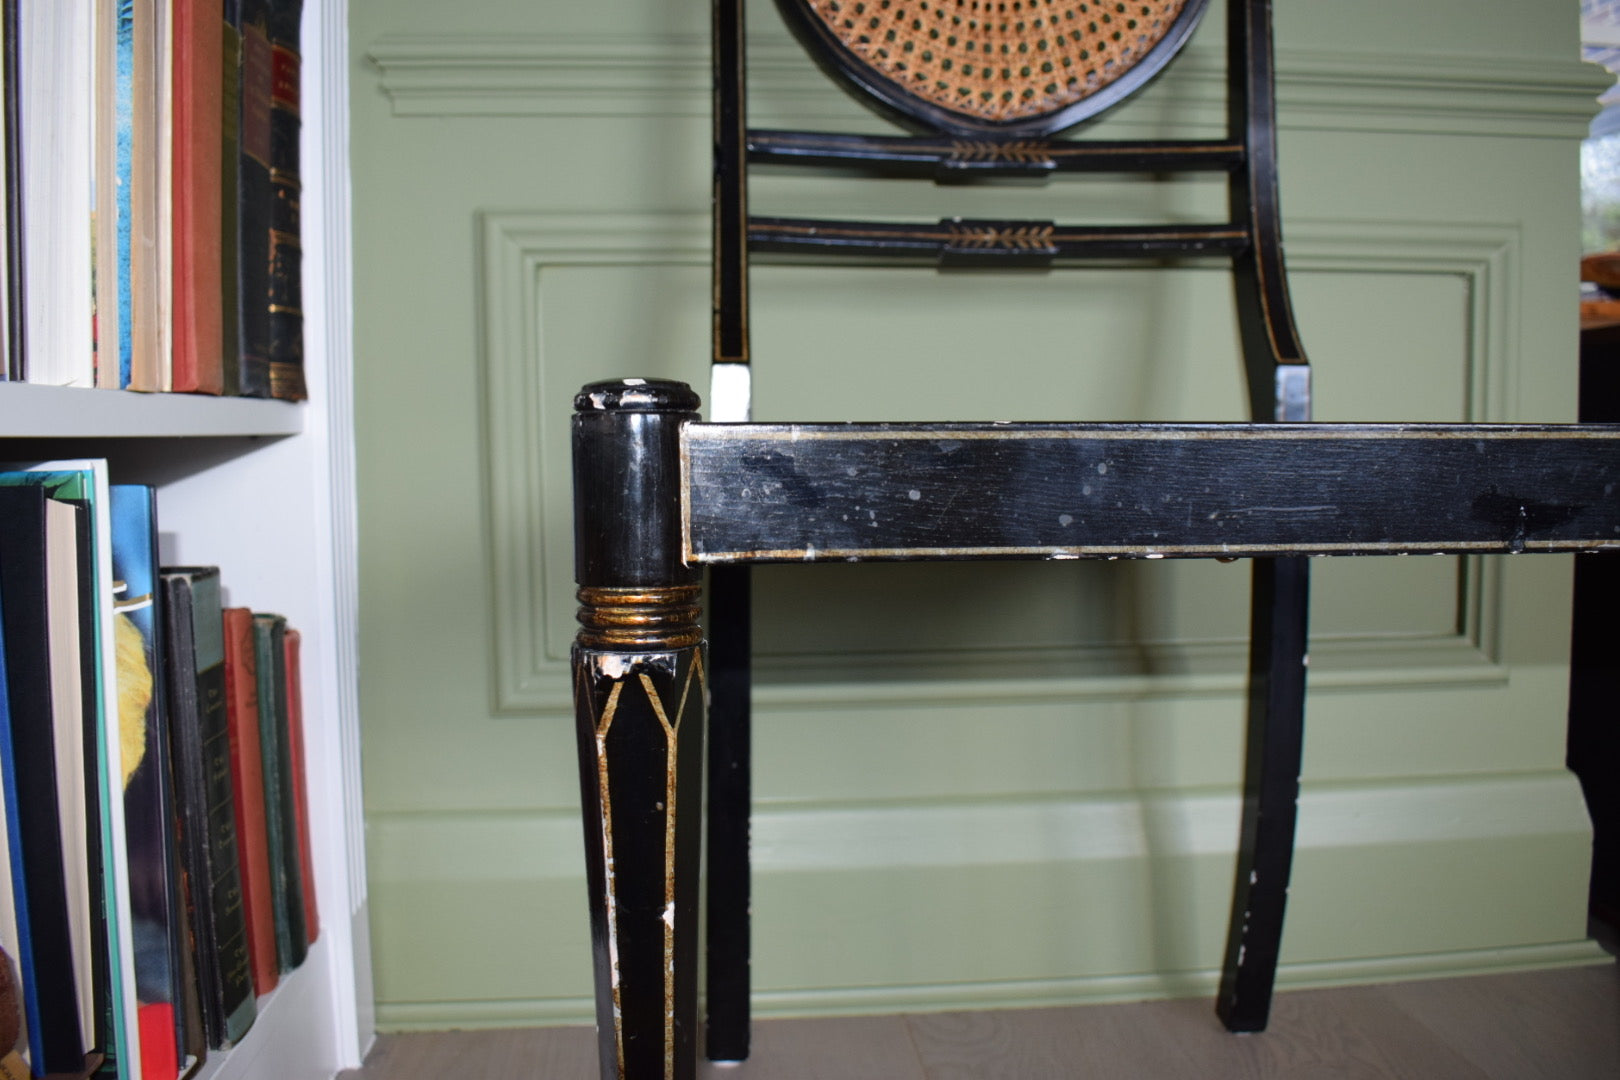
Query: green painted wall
[(979, 785)]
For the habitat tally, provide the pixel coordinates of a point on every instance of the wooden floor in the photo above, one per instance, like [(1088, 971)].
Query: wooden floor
[(1550, 1025)]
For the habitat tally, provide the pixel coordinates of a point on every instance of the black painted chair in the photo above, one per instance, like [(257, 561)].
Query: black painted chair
[(989, 85), (660, 496)]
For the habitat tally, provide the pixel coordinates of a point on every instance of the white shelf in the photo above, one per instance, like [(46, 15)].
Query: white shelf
[(57, 412), (265, 490)]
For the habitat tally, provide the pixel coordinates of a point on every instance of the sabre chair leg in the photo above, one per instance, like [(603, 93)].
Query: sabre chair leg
[(1275, 741), (729, 809)]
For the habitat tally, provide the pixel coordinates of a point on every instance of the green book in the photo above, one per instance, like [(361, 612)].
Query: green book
[(280, 809)]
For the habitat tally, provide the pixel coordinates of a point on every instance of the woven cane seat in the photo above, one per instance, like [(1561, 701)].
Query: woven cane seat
[(988, 66)]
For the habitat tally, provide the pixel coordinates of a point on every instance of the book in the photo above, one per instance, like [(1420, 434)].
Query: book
[(295, 736), (286, 229), (10, 1002), (198, 729), (281, 820), (198, 65), (28, 760), (90, 722), (123, 125), (253, 200), (107, 187), (149, 289), (74, 781), (83, 483), (13, 317), (58, 198), (155, 903), (12, 1065), (230, 259), (247, 785)]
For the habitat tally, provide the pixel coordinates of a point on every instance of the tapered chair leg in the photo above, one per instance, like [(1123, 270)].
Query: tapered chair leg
[(1275, 742), (728, 825), (638, 705)]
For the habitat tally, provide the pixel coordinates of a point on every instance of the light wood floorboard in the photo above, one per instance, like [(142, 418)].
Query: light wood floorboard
[(1545, 1025)]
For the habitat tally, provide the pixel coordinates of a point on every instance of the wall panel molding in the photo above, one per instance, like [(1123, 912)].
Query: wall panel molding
[(395, 1016), (1157, 839), (524, 429), (667, 77)]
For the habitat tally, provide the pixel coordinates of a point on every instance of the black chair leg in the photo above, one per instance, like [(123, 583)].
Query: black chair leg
[(1275, 742), (729, 799)]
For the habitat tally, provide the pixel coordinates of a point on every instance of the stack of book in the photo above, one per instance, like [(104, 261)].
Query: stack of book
[(151, 236), (154, 834)]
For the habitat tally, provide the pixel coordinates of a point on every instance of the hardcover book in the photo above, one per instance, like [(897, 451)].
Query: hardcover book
[(230, 258), (247, 782), (58, 190), (11, 253), (83, 483), (155, 903), (198, 141), (149, 198), (198, 729), (253, 200), (295, 735), (29, 762), (286, 230), (281, 816)]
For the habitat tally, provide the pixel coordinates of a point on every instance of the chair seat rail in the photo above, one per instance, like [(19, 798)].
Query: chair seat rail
[(889, 492)]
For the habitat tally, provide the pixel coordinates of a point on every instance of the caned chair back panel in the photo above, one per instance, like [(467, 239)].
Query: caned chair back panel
[(993, 67)]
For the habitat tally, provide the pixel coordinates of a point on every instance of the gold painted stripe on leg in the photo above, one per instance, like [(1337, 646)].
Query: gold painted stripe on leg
[(610, 884), (671, 772), (671, 762)]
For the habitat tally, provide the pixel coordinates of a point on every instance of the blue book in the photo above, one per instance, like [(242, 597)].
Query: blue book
[(156, 907), (124, 126)]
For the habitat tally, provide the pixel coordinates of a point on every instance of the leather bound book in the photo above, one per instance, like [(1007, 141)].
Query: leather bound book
[(295, 736), (202, 759), (286, 243), (247, 783), (198, 311), (253, 200), (287, 893)]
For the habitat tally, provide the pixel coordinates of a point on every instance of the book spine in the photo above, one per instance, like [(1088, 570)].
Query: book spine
[(254, 199), (125, 148), (267, 635), (247, 783), (198, 348), (225, 888), (155, 904), (286, 244), (191, 800), (230, 260), (291, 875), (15, 327), (295, 736)]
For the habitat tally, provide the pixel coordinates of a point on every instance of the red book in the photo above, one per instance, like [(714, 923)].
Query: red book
[(198, 303), (247, 777), (300, 786)]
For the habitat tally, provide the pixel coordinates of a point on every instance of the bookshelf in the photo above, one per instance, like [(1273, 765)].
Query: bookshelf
[(265, 489)]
